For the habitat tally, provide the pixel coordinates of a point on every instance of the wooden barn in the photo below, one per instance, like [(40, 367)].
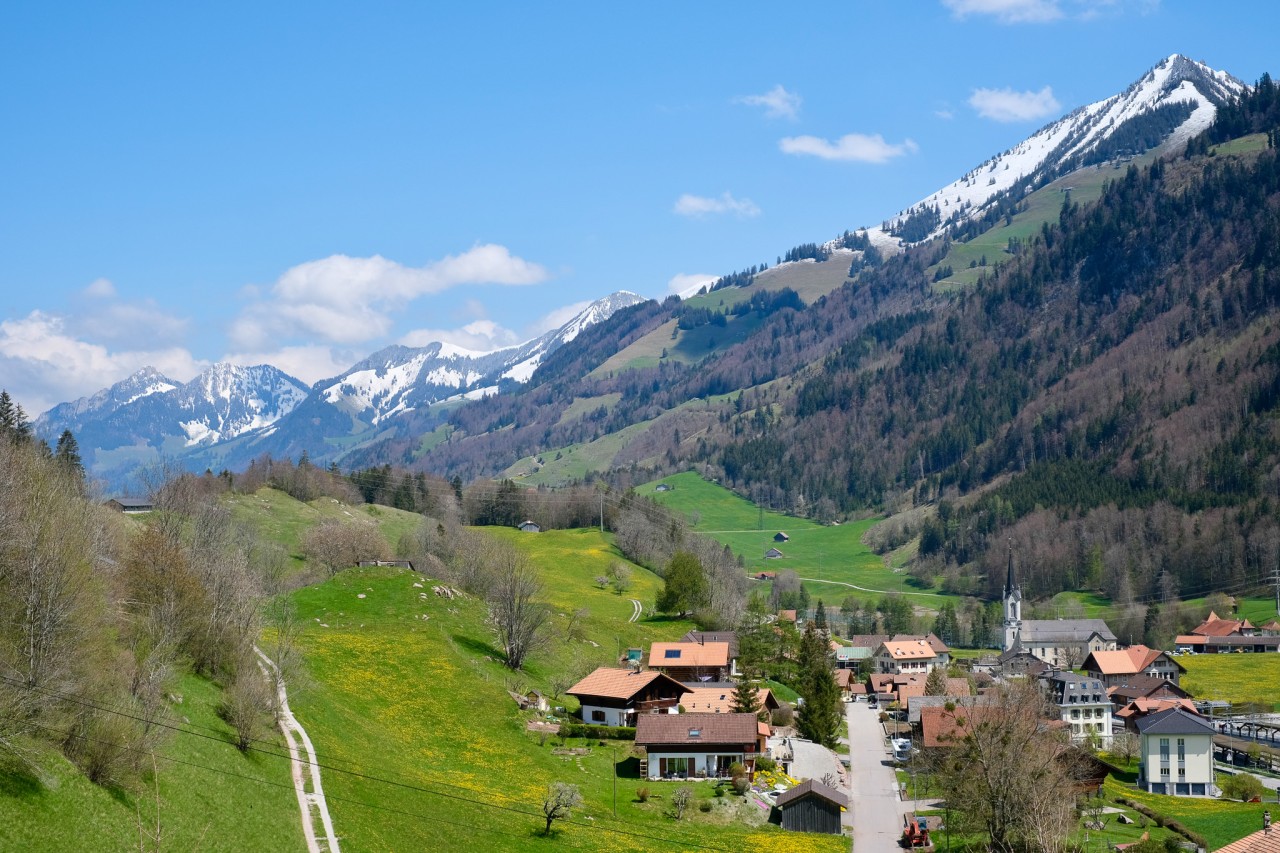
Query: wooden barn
[(812, 807)]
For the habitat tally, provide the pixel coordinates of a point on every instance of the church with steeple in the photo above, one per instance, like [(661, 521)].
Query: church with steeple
[(1063, 643)]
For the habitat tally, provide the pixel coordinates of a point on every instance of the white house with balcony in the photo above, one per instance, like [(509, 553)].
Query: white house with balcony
[(1176, 754)]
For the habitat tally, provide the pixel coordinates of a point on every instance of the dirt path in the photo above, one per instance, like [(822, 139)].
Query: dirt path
[(293, 734), (869, 589), (639, 608)]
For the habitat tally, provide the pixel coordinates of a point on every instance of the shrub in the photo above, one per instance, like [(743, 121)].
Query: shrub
[(741, 785), (736, 770), (783, 715), (571, 728), (766, 765), (1243, 787), (704, 806), (719, 791), (642, 795)]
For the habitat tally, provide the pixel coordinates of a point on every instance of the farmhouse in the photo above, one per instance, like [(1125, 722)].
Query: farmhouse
[(699, 746), (1144, 687), (691, 661), (1118, 667), (131, 505), (616, 697), (1176, 754), (812, 807)]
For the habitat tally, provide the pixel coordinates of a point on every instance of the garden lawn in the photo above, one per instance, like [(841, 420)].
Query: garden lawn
[(406, 686), (1234, 678), (1219, 821), (212, 796), (832, 559)]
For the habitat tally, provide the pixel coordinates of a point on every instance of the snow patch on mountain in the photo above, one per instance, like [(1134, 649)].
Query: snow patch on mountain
[(1175, 79)]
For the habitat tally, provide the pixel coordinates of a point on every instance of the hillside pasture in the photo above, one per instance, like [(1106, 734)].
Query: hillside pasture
[(407, 687), (1236, 678), (833, 560)]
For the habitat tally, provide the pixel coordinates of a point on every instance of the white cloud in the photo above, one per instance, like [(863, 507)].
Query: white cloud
[(685, 284), (347, 300), (100, 288), (1006, 105), (944, 113), (307, 363), (127, 322), (44, 363), (1008, 11), (856, 147), (777, 103), (696, 205), (478, 336)]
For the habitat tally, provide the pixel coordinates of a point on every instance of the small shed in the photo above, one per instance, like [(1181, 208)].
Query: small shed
[(530, 526), (812, 807), (781, 537), (663, 487), (773, 554)]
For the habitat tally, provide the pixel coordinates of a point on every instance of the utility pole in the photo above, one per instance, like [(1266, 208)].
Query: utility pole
[(1275, 580), (615, 781), (602, 512)]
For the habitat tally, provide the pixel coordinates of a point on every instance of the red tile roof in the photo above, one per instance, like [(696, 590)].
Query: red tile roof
[(688, 654), (620, 683)]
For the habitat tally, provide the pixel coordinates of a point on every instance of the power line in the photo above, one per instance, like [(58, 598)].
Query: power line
[(355, 773), (290, 787)]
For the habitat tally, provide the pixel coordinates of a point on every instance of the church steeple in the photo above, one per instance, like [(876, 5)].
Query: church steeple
[(1012, 607)]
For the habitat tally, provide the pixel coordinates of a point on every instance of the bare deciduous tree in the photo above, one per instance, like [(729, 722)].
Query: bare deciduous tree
[(1009, 769), (518, 619), (336, 545), (680, 801)]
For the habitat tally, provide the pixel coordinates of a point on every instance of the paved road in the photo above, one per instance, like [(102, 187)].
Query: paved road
[(877, 811)]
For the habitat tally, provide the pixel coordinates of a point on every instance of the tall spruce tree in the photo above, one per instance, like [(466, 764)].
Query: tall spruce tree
[(67, 453), (820, 716)]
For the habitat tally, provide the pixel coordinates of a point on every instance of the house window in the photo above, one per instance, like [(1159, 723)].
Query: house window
[(1182, 749), (695, 732), (1164, 749), (1164, 772), (670, 654), (597, 716)]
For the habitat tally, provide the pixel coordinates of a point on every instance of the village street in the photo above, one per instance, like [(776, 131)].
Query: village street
[(873, 789)]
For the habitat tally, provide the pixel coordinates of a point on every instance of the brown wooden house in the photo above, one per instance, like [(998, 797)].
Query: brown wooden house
[(812, 807), (617, 697)]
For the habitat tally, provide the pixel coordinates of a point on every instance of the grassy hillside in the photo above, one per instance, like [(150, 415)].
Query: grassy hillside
[(833, 559), (407, 687), (211, 796), (285, 521)]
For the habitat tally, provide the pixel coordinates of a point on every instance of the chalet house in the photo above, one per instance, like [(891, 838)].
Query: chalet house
[(1117, 667), (712, 698), (131, 505), (718, 637), (1144, 687), (812, 807), (691, 661), (896, 687), (528, 526), (904, 657), (781, 537), (1082, 704), (773, 554), (1017, 663), (1176, 754), (698, 746), (617, 697)]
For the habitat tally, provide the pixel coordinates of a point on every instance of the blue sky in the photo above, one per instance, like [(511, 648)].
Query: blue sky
[(302, 184)]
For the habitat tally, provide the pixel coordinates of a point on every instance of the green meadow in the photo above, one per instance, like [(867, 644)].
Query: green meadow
[(832, 559), (407, 703), (203, 793)]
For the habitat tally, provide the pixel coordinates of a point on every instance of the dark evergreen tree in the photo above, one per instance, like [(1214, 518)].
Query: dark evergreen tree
[(820, 617), (820, 715), (67, 453), (684, 588)]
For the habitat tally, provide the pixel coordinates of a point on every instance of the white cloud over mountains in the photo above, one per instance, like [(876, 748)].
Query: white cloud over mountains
[(699, 206), (1045, 11), (346, 300), (1007, 105), (852, 147)]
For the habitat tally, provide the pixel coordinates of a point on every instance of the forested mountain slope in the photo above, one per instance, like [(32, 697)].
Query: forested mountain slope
[(1118, 371)]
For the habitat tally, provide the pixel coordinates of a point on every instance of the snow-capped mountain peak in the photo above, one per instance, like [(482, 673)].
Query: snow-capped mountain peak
[(1170, 103)]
